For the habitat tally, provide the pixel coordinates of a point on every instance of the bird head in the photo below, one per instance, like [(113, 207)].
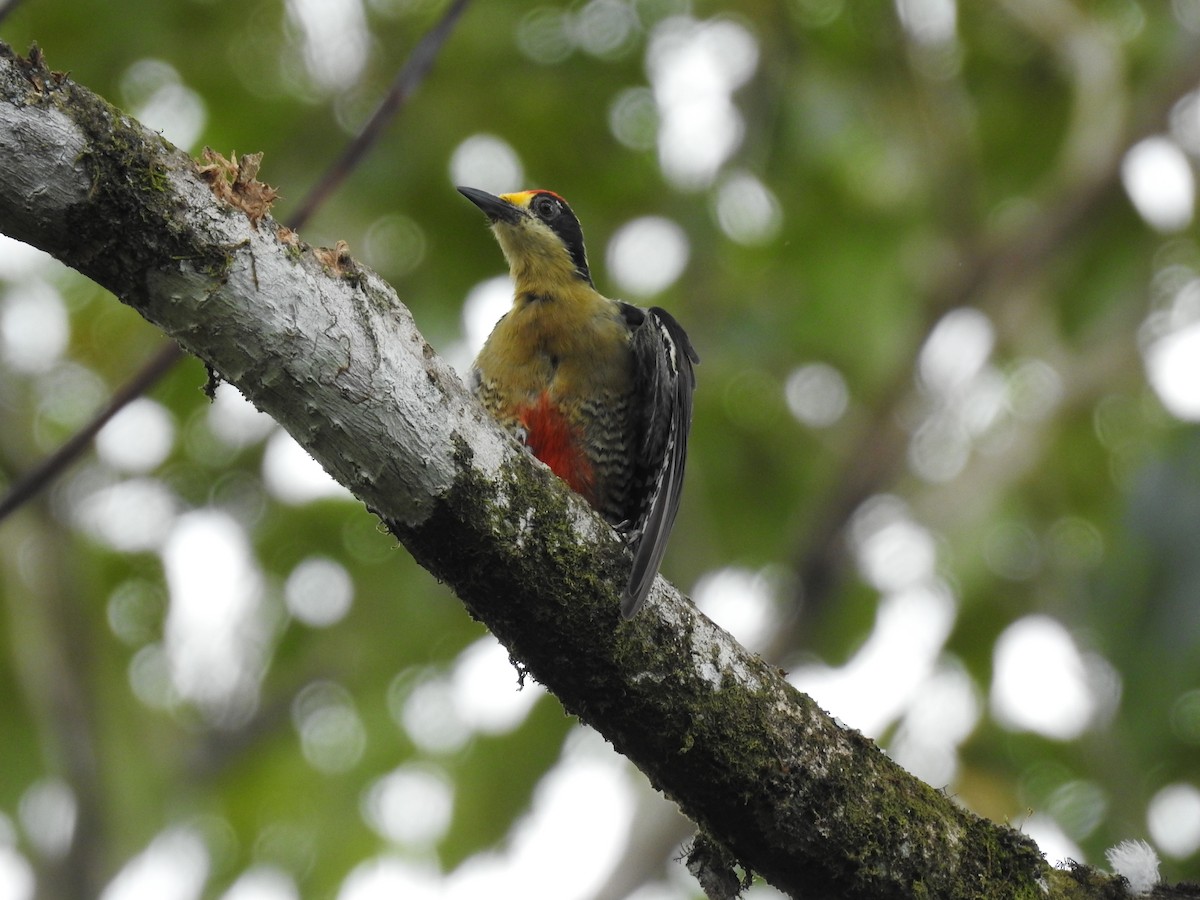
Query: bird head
[(537, 231)]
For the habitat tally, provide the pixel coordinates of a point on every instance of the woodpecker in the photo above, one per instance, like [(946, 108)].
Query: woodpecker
[(597, 389)]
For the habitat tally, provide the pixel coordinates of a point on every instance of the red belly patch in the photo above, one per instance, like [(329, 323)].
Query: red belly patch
[(551, 439)]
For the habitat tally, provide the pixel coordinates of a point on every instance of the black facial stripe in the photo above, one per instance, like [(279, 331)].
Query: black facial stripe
[(561, 220), (567, 228)]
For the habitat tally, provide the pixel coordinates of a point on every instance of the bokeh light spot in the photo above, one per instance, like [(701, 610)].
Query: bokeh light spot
[(1173, 367), (1185, 120), (1042, 682), (605, 28), (928, 21), (319, 591), (544, 35), (816, 394), (34, 328), (944, 711), (150, 678), (48, 811), (262, 883), (1160, 184), (694, 68), (940, 448), (69, 395), (234, 420), (410, 806), (486, 162), (1011, 551), (174, 867), (1173, 819), (1185, 717), (1078, 807), (647, 255), (334, 38), (553, 851), (156, 96), (955, 351), (893, 551), (485, 304), (1051, 839), (747, 211), (1075, 543), (741, 601), (486, 691), (816, 13), (389, 878), (888, 671), (395, 244), (1034, 390), (135, 610), (422, 704), (633, 118), (294, 477), (138, 438), (17, 881), (131, 516), (20, 262), (216, 631), (332, 735)]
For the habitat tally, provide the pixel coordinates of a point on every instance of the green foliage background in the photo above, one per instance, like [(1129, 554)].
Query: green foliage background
[(911, 179)]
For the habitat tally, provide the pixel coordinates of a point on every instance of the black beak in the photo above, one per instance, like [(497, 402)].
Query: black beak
[(493, 207)]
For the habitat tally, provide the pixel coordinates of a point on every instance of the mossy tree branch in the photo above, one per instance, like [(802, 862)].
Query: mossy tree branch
[(327, 349)]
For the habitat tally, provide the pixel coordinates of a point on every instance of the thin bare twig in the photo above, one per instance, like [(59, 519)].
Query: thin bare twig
[(410, 77), (29, 484)]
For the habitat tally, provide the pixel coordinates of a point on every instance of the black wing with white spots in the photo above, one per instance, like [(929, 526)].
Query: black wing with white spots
[(663, 360)]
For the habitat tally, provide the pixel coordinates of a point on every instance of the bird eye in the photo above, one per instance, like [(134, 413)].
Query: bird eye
[(545, 207)]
